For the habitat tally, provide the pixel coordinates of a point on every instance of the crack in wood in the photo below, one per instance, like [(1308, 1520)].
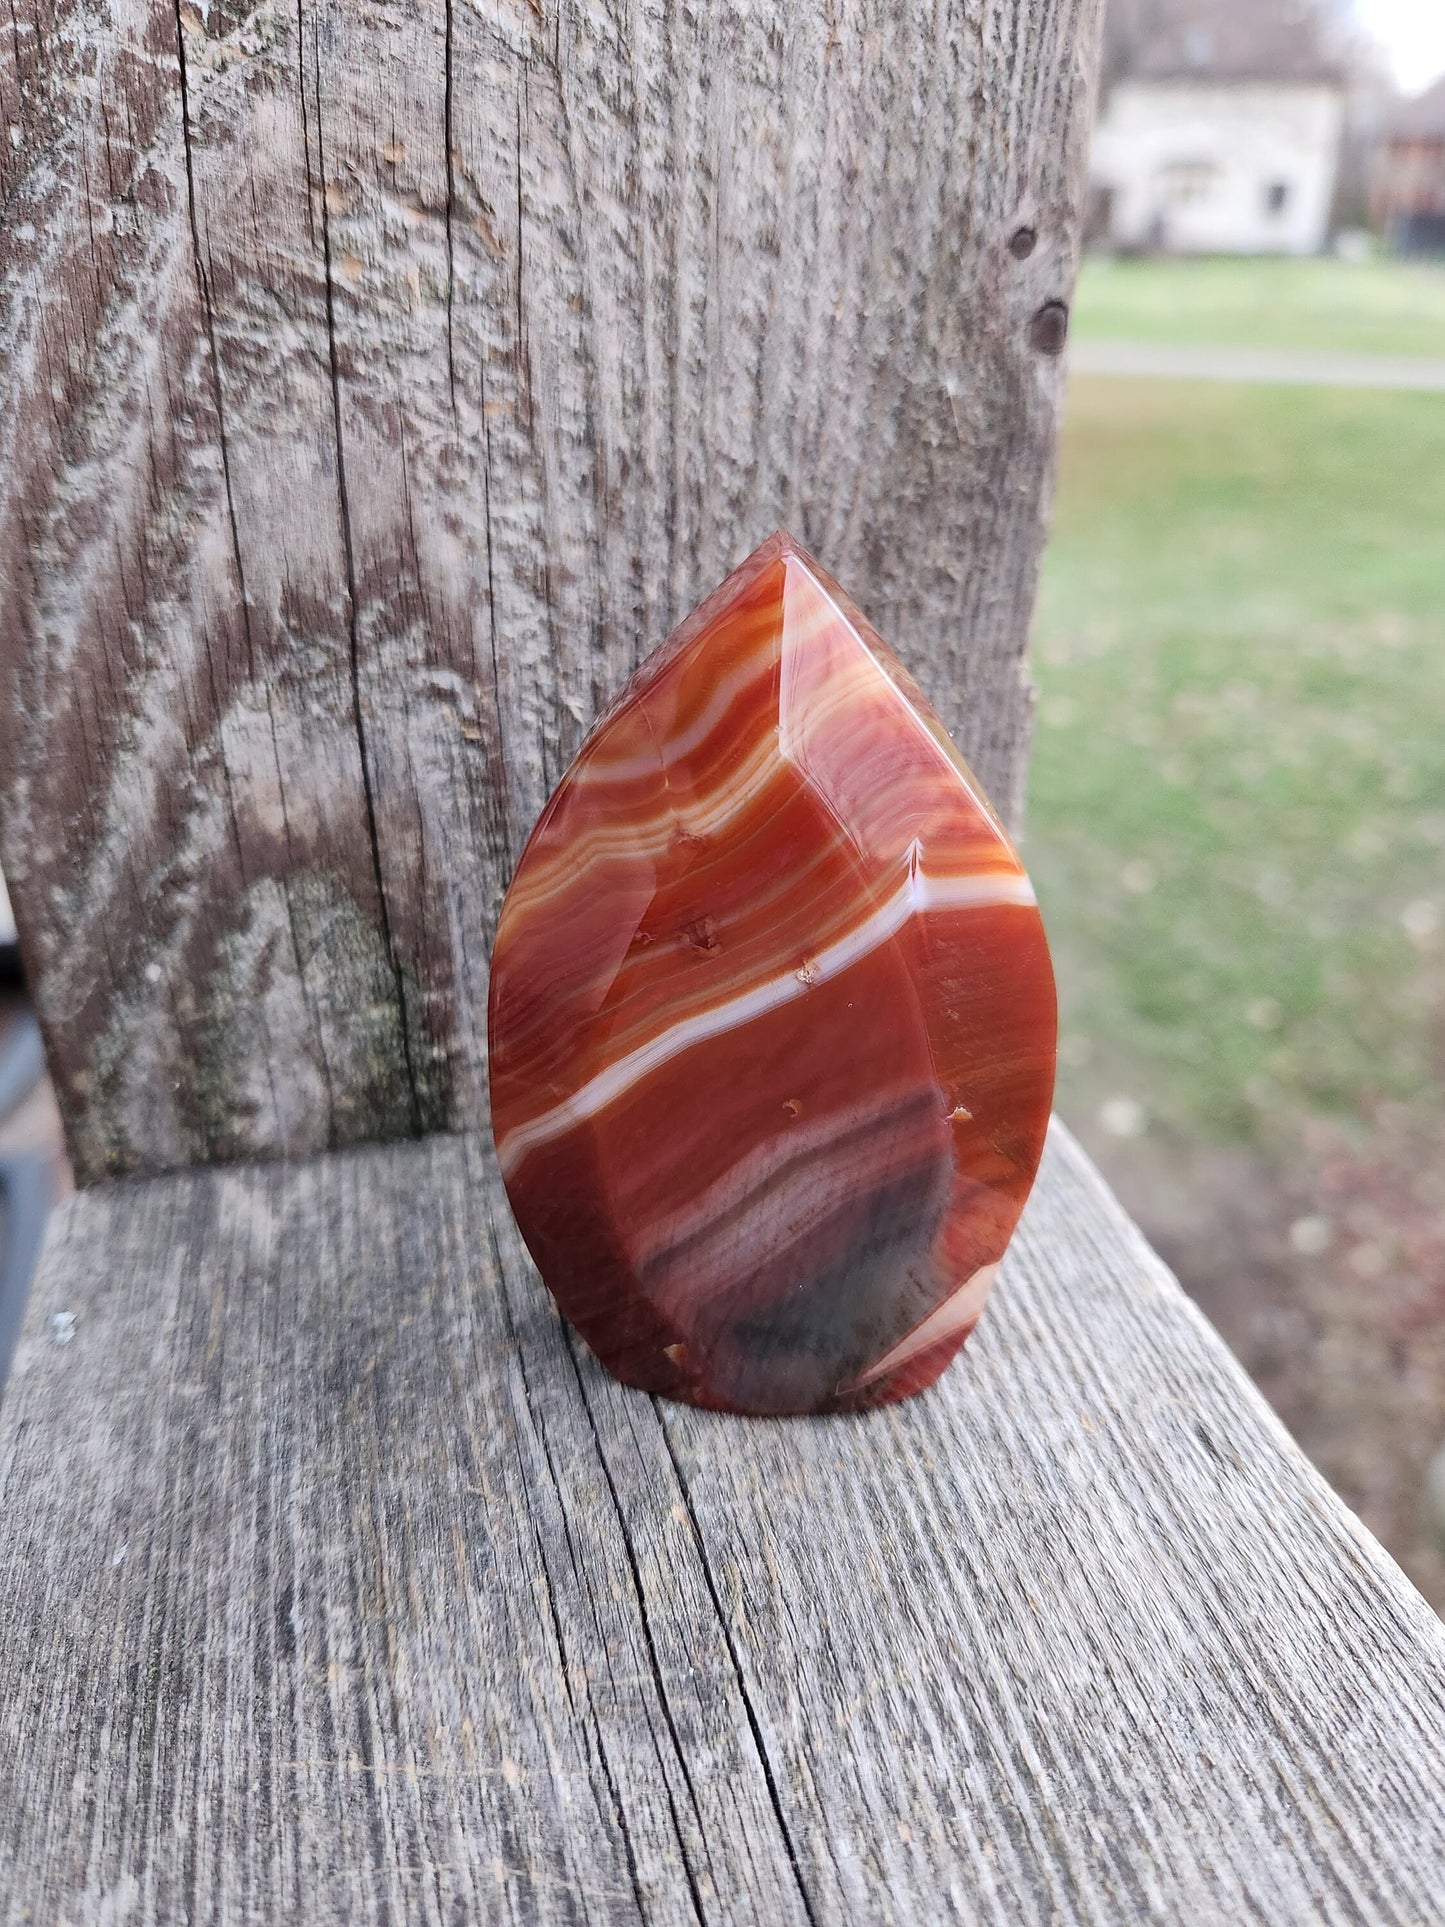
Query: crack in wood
[(352, 622), (760, 1747), (203, 285), (645, 1623), (617, 1805), (451, 179)]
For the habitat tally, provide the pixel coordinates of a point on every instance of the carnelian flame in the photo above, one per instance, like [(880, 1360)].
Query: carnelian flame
[(772, 1018)]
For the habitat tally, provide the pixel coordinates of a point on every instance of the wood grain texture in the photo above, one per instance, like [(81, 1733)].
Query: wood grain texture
[(380, 381), (338, 1584)]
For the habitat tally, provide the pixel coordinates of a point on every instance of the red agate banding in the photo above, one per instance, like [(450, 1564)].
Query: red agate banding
[(772, 1024)]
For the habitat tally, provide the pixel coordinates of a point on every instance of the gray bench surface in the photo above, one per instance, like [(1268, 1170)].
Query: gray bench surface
[(337, 1583)]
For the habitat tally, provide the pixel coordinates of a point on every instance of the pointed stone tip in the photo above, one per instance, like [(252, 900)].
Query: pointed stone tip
[(778, 551), (781, 544)]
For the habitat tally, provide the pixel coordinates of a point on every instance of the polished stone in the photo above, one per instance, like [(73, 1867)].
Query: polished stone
[(772, 1018)]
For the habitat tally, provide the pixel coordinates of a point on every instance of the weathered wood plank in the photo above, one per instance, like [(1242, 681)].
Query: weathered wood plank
[(337, 1584), (380, 381)]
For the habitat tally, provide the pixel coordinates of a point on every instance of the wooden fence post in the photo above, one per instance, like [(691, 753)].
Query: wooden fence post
[(382, 381)]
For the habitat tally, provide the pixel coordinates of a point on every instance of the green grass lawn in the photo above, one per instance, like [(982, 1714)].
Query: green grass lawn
[(1237, 821), (1376, 307)]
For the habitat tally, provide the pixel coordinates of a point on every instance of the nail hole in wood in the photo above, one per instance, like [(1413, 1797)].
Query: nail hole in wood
[(1049, 328)]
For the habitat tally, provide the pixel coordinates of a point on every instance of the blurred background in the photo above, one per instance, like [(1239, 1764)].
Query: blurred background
[(1237, 825), (1237, 817)]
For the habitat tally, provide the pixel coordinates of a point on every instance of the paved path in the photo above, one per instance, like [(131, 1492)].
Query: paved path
[(1323, 368)]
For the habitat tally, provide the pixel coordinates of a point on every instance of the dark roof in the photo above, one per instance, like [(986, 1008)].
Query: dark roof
[(1278, 40), (1422, 118)]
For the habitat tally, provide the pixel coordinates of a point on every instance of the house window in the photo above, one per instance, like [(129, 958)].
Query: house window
[(1276, 197), (1181, 182)]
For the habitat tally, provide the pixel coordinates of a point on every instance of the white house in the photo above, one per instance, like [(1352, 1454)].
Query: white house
[(1221, 135)]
